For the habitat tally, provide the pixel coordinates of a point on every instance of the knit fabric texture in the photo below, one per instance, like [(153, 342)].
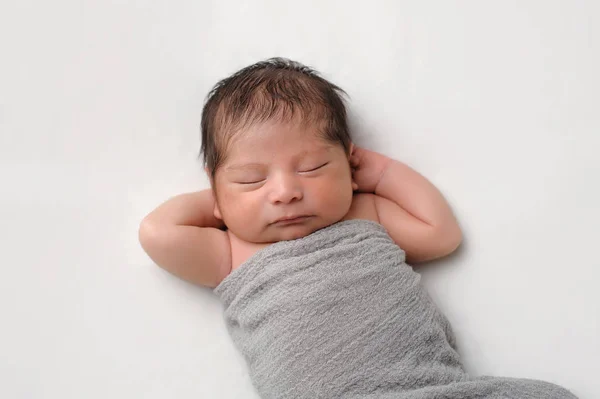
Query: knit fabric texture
[(339, 314)]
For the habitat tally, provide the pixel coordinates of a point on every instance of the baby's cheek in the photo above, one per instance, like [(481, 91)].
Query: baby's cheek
[(230, 204), (248, 206), (332, 190)]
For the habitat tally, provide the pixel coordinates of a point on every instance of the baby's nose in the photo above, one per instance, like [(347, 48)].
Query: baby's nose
[(286, 189)]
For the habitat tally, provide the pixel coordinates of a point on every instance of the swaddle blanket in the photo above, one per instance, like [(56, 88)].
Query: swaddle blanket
[(339, 314)]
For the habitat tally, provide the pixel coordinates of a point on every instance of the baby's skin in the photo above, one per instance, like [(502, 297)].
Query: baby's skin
[(282, 181)]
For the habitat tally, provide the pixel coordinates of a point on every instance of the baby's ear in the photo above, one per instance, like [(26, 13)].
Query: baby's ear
[(354, 185), (216, 210)]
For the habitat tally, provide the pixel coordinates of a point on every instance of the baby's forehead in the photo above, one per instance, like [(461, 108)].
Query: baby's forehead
[(254, 147), (273, 133), (294, 149)]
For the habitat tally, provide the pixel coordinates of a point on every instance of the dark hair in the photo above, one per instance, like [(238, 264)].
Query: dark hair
[(275, 88)]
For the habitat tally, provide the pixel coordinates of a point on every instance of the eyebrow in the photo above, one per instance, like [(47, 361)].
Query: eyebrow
[(242, 166)]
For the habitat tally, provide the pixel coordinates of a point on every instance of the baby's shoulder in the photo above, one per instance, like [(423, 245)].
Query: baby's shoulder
[(242, 250), (362, 207)]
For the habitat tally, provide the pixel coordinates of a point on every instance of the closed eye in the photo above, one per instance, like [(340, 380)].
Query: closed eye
[(313, 169), (250, 182)]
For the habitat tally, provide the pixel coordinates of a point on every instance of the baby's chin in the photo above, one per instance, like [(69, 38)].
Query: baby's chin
[(294, 234), (273, 233), (295, 231), (288, 233)]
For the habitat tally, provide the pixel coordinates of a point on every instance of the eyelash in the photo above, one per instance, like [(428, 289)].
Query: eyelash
[(249, 182), (303, 171), (312, 170)]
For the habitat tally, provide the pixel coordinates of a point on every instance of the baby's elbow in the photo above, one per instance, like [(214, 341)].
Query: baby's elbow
[(148, 236), (450, 239), (438, 243)]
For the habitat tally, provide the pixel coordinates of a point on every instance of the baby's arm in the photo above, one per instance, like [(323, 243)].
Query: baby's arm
[(183, 237), (413, 211)]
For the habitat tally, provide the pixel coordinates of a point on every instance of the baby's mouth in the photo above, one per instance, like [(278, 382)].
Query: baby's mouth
[(295, 219)]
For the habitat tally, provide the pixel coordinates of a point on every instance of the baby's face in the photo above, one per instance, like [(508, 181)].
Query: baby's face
[(282, 182)]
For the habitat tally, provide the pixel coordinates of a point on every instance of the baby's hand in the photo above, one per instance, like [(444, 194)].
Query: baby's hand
[(367, 169)]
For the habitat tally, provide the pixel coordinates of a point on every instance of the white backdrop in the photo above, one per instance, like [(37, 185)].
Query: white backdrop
[(496, 102)]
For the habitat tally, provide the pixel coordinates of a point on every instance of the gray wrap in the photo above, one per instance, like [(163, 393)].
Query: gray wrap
[(339, 314)]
